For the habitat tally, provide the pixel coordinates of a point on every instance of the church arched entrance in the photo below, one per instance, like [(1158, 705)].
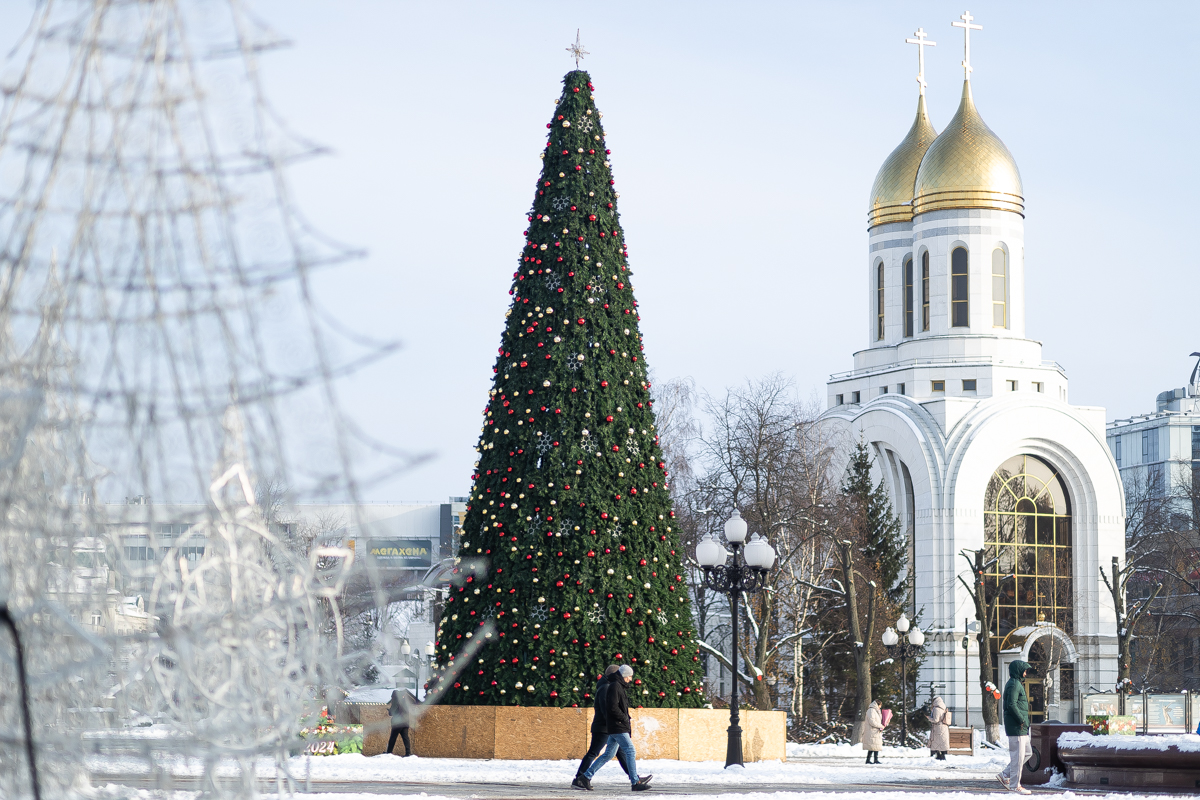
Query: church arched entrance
[(1027, 539)]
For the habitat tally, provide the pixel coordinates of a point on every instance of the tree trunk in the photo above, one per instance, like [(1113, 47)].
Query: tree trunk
[(860, 641), (821, 712)]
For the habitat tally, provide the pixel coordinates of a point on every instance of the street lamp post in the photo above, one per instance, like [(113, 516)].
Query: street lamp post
[(732, 580), (904, 648)]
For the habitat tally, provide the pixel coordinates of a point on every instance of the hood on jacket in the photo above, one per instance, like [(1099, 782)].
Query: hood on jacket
[(877, 703), (939, 703), (1017, 667)]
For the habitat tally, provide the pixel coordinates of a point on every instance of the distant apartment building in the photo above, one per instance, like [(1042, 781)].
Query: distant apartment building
[(1161, 450)]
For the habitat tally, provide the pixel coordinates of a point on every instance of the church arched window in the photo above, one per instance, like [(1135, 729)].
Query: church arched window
[(925, 291), (999, 289), (960, 306), (908, 297), (1027, 544), (879, 302)]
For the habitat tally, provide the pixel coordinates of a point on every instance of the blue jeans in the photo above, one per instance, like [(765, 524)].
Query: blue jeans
[(616, 741)]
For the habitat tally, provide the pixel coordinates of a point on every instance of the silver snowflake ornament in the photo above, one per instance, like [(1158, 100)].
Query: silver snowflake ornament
[(560, 203), (545, 442)]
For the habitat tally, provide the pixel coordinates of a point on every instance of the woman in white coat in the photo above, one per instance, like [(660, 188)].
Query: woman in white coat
[(939, 729), (872, 740)]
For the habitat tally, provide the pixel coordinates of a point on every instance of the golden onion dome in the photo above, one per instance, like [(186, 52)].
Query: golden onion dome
[(967, 166), (892, 194)]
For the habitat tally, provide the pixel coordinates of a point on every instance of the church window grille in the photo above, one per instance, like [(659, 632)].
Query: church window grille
[(925, 291), (999, 289), (1027, 541), (879, 302), (969, 385), (960, 306), (908, 297), (939, 386)]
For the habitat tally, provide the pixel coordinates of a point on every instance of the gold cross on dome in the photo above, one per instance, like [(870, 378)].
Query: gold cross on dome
[(967, 28), (577, 49), (921, 44)]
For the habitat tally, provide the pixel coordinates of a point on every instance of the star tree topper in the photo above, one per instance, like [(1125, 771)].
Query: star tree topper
[(577, 49)]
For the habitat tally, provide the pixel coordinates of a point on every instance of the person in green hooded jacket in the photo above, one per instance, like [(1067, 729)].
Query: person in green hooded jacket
[(1016, 726)]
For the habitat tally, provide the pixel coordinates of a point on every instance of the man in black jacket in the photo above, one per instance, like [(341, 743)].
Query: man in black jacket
[(400, 710), (619, 726), (599, 730)]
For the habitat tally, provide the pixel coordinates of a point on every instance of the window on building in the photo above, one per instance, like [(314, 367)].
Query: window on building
[(939, 386), (97, 619), (855, 397), (1157, 479), (899, 388), (960, 307), (1038, 386), (1117, 449), (969, 385), (908, 297), (1027, 543), (192, 554), (925, 291), (883, 390), (1196, 443), (1149, 446), (139, 553), (999, 289), (879, 302), (838, 399), (1012, 385)]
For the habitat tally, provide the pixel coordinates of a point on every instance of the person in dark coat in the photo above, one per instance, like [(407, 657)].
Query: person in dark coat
[(599, 730), (400, 709), (619, 726), (1016, 726)]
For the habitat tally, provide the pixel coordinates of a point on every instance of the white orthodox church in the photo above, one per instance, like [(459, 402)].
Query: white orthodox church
[(972, 431)]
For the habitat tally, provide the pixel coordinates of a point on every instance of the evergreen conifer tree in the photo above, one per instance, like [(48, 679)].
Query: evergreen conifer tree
[(569, 511), (883, 544)]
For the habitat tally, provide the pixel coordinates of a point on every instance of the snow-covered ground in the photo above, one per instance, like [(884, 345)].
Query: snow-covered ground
[(809, 767), (806, 765)]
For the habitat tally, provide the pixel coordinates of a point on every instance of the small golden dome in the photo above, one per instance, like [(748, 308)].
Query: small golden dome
[(892, 194), (968, 166)]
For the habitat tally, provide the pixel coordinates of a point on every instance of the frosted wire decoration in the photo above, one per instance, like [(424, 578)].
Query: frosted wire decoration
[(155, 274)]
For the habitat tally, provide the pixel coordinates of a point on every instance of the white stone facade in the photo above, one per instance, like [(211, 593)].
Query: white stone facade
[(943, 408)]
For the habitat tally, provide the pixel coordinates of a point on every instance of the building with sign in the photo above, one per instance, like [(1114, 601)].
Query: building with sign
[(971, 430)]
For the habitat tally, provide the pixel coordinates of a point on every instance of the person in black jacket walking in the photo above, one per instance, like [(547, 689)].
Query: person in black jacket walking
[(400, 711), (619, 726), (599, 729)]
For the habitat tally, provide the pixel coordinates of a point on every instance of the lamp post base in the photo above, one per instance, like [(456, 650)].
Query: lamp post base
[(733, 753)]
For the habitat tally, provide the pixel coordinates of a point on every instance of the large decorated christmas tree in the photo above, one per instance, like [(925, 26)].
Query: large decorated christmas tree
[(569, 525)]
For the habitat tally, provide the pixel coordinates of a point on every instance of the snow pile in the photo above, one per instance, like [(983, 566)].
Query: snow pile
[(1184, 742)]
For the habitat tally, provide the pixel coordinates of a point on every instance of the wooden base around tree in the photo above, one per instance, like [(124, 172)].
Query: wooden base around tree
[(518, 732)]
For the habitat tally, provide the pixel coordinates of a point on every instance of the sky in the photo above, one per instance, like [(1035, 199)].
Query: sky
[(745, 138)]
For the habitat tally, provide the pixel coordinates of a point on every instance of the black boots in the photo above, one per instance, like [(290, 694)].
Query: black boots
[(872, 756)]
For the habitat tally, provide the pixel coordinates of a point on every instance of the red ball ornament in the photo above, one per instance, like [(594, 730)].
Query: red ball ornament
[(608, 418), (602, 383)]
